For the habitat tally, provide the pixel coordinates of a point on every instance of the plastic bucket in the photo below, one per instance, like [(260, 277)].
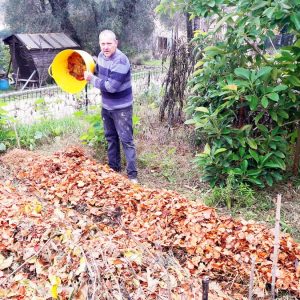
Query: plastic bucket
[(4, 84), (59, 71)]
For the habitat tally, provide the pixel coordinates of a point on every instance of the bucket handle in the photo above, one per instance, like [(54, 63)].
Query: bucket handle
[(50, 70)]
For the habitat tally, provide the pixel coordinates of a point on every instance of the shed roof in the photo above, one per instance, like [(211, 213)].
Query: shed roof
[(44, 40)]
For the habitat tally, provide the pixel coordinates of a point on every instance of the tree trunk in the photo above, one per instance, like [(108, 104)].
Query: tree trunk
[(60, 12), (189, 27), (297, 153), (95, 12), (43, 6), (128, 10)]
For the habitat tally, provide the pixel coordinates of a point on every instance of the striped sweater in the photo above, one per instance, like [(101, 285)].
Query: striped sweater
[(113, 78)]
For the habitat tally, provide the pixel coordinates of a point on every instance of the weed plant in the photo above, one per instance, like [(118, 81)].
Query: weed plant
[(152, 96), (6, 133), (232, 194)]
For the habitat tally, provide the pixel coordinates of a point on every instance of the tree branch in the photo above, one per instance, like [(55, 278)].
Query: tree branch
[(28, 259), (256, 49)]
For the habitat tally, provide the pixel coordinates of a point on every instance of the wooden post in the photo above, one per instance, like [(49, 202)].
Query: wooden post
[(17, 77), (24, 86), (205, 287), (276, 246)]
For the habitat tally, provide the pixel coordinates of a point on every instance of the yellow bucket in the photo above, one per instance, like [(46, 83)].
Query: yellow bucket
[(59, 71)]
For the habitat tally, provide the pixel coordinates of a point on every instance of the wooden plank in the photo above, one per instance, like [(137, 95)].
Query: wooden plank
[(38, 39), (24, 86), (46, 41), (28, 42), (43, 58), (52, 41), (64, 40)]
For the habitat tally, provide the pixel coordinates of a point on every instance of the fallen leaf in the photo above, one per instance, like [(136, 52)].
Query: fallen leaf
[(6, 263)]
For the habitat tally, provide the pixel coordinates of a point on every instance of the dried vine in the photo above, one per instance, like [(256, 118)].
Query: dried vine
[(181, 64)]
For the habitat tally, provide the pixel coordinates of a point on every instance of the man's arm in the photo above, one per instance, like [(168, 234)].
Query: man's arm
[(119, 74)]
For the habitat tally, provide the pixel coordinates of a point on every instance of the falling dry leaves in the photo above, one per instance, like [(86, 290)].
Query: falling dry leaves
[(71, 226)]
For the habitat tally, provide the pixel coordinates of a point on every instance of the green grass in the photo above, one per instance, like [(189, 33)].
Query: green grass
[(152, 63), (155, 62), (32, 135)]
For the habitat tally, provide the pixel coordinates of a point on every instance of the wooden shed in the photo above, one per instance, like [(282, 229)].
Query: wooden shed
[(32, 54)]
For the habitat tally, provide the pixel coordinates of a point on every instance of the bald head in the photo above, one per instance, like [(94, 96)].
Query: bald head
[(107, 34)]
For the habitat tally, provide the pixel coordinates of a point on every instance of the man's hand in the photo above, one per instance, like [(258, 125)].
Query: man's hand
[(87, 75)]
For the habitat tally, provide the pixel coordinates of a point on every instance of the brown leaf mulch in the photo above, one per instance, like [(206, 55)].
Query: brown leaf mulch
[(71, 226)]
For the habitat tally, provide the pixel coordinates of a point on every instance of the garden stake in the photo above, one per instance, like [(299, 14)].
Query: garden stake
[(276, 246), (86, 98), (205, 287), (149, 79)]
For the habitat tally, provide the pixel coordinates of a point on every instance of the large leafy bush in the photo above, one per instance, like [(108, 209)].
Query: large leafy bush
[(245, 101)]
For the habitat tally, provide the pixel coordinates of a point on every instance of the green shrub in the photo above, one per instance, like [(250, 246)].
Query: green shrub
[(245, 103), (4, 56), (94, 136)]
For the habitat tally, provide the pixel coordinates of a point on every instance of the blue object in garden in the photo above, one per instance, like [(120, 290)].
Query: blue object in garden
[(4, 85)]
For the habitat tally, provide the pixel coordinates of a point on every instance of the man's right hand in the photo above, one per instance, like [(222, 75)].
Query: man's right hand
[(87, 75)]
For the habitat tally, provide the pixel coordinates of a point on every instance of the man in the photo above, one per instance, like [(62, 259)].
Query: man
[(113, 78)]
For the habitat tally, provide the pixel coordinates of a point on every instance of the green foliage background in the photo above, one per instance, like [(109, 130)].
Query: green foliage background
[(4, 56), (132, 20)]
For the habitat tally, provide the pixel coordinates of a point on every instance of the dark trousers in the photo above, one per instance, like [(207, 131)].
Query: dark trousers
[(118, 128)]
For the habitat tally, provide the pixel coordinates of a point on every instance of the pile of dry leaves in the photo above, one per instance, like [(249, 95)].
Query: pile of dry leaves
[(72, 228), (76, 66)]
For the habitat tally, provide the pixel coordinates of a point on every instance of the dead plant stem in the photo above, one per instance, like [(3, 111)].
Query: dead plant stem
[(111, 273), (91, 272), (28, 259)]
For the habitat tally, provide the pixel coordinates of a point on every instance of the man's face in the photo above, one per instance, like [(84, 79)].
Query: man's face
[(108, 46)]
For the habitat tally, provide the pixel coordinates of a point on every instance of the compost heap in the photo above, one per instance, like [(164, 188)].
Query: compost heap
[(76, 66), (71, 227)]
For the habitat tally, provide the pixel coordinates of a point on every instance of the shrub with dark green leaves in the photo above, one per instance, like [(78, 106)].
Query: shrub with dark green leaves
[(245, 102)]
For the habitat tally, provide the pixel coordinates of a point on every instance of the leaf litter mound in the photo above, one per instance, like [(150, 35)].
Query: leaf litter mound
[(72, 228)]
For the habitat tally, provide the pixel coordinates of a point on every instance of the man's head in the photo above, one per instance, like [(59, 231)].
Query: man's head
[(108, 42)]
